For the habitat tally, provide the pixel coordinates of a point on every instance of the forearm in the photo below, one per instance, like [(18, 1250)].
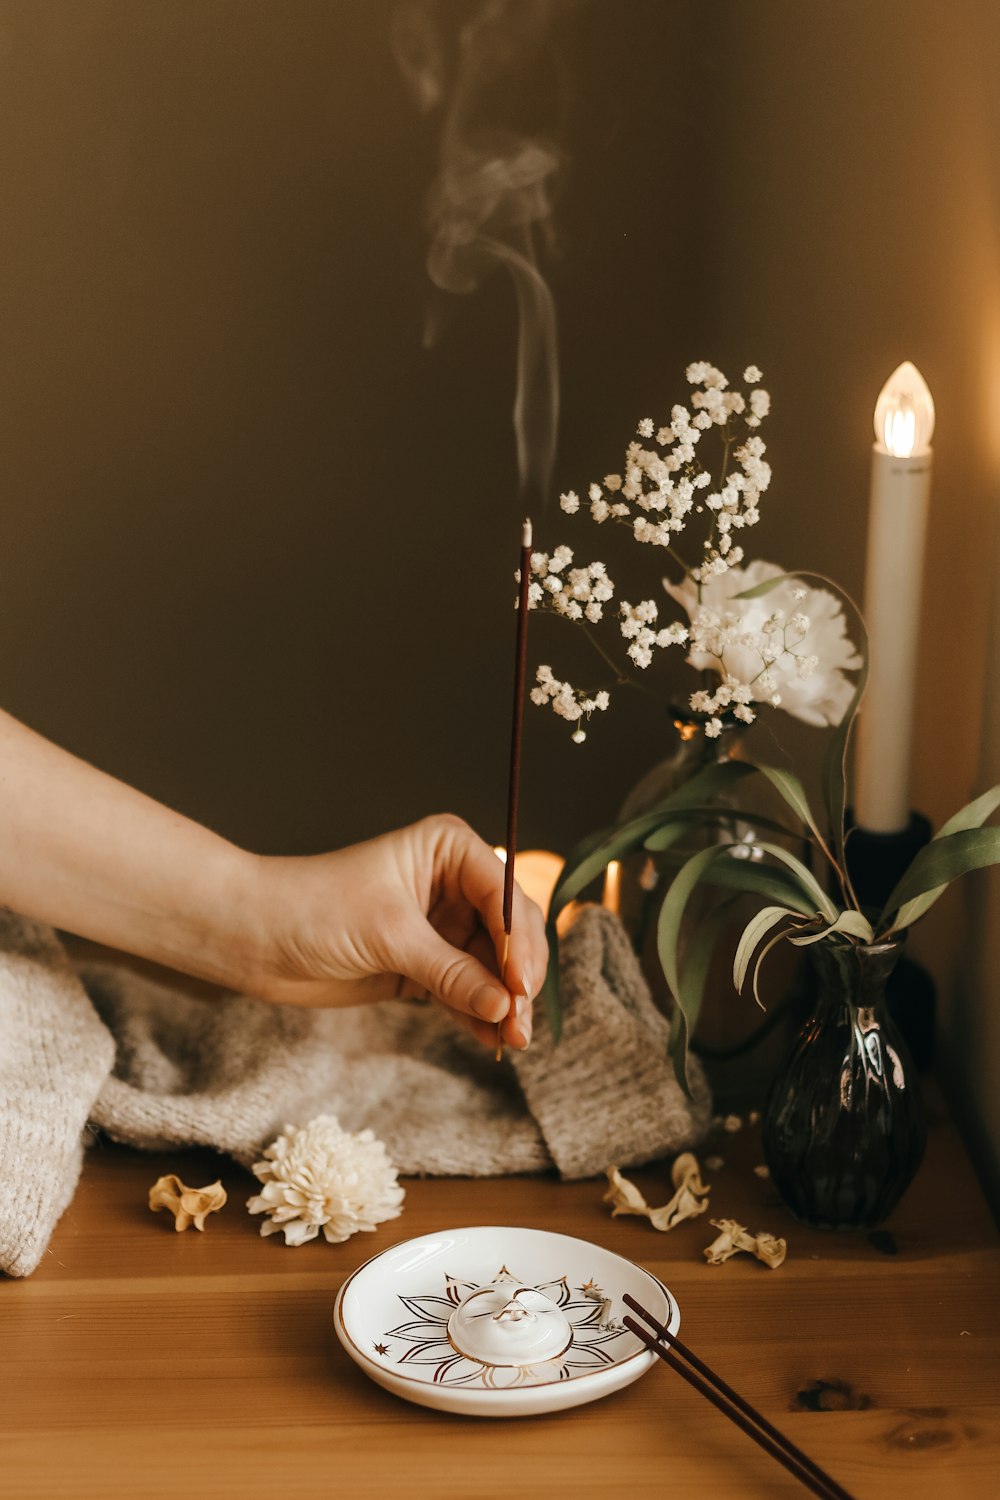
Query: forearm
[(86, 853)]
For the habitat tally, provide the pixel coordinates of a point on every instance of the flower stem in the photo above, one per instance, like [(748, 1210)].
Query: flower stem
[(622, 677)]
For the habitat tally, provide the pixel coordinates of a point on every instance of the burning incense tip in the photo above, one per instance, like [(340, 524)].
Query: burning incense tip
[(526, 534)]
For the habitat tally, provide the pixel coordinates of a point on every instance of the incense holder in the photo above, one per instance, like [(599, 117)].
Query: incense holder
[(498, 1322)]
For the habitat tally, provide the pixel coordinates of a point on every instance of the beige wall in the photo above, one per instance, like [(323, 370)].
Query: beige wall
[(856, 183), (255, 540)]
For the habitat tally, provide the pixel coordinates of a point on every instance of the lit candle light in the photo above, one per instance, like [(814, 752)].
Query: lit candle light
[(536, 872), (897, 522), (612, 886)]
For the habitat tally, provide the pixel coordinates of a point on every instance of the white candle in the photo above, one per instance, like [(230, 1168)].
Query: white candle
[(897, 522), (612, 896)]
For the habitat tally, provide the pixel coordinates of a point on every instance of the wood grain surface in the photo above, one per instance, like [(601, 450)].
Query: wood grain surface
[(142, 1363)]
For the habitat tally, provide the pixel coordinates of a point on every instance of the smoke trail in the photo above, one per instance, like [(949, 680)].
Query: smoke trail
[(490, 203)]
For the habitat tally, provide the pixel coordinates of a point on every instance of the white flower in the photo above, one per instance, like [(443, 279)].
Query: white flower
[(579, 736), (318, 1176), (570, 502), (751, 375), (570, 703), (750, 642)]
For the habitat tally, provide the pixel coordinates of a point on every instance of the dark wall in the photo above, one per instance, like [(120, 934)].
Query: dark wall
[(256, 541)]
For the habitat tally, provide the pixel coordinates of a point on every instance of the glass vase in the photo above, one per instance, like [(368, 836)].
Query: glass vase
[(725, 1022), (642, 880), (843, 1131)]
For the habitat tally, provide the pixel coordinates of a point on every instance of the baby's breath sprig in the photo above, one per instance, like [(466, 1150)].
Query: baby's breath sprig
[(662, 485)]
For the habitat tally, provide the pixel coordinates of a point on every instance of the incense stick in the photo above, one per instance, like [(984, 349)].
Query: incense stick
[(520, 661)]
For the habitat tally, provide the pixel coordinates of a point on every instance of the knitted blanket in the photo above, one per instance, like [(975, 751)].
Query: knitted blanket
[(102, 1047)]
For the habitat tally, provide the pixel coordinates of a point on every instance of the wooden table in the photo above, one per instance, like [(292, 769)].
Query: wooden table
[(143, 1363)]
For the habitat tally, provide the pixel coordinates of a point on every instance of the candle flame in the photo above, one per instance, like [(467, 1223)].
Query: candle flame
[(904, 414)]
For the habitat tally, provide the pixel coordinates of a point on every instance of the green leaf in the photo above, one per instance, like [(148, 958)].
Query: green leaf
[(692, 987), (776, 885), (778, 938), (851, 922), (668, 926), (940, 862), (807, 880), (973, 815), (794, 793), (835, 761), (834, 776), (593, 854), (703, 786), (718, 817), (588, 859), (753, 934), (760, 589), (666, 835), (550, 989)]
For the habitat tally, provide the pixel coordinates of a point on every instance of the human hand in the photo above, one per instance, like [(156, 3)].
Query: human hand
[(417, 912)]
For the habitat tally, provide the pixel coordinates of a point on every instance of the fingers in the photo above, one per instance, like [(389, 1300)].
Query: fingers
[(457, 978), (515, 1029), (480, 876)]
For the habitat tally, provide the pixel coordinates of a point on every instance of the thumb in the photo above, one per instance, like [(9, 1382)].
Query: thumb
[(452, 976)]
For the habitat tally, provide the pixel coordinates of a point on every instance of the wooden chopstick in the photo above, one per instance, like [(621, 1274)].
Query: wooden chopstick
[(732, 1405)]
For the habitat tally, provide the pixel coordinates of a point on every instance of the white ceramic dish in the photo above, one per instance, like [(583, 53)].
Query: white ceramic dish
[(399, 1317)]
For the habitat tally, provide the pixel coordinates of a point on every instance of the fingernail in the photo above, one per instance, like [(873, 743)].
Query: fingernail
[(527, 982), (490, 1004), (524, 1022)]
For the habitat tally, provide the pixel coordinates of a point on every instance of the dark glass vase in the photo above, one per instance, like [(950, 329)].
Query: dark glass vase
[(642, 879), (843, 1131)]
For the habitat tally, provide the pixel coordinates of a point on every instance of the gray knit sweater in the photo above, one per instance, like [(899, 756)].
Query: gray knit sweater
[(156, 1068)]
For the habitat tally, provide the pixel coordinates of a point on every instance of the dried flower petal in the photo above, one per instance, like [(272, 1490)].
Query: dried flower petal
[(689, 1200), (188, 1205), (733, 1237)]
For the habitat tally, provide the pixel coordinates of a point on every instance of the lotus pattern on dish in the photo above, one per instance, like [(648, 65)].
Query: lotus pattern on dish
[(424, 1338)]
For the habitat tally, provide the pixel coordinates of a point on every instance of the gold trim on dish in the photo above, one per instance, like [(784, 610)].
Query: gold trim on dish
[(394, 1374)]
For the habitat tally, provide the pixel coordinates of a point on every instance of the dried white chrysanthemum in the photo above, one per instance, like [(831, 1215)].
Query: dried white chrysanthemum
[(318, 1176)]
